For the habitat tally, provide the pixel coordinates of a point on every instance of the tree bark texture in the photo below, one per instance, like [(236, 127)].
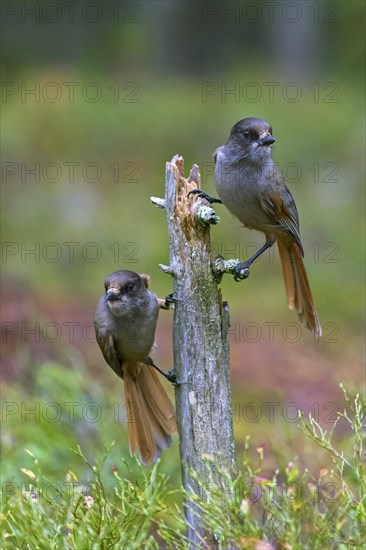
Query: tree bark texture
[(200, 343)]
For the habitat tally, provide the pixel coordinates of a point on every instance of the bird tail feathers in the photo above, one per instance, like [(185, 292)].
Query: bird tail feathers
[(151, 417), (299, 296)]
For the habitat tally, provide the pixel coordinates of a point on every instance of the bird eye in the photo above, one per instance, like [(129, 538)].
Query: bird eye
[(130, 287), (246, 133)]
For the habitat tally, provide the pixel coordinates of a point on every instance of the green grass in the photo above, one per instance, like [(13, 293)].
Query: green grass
[(123, 505), (125, 514), (294, 509)]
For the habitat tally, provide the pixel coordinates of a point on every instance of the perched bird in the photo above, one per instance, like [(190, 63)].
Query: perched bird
[(253, 190), (125, 322)]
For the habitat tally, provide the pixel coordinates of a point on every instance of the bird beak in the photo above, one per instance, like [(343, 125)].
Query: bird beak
[(112, 296), (267, 140)]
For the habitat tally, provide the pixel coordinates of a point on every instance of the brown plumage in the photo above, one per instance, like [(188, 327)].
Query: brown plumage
[(299, 296), (125, 322), (150, 413)]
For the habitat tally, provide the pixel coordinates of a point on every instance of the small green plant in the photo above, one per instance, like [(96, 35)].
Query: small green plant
[(290, 509), (293, 509), (130, 514)]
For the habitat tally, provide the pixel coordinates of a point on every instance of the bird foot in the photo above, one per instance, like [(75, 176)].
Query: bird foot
[(203, 195), (241, 271), (172, 377), (168, 301), (172, 298)]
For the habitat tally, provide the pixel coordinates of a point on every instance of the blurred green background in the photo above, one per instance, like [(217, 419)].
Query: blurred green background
[(96, 97)]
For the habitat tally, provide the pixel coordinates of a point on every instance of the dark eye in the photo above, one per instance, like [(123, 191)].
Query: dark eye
[(130, 287), (246, 133)]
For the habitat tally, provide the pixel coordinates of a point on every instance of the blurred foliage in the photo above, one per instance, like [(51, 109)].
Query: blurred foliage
[(165, 79), (58, 410), (153, 73), (185, 38), (291, 508), (141, 138)]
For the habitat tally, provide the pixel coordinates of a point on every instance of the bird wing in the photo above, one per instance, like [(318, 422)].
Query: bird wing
[(106, 344), (282, 210)]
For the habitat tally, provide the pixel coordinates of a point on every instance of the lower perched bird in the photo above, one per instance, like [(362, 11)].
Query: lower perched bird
[(252, 189), (125, 322)]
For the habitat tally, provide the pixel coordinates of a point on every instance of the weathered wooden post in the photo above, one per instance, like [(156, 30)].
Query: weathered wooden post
[(201, 351)]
